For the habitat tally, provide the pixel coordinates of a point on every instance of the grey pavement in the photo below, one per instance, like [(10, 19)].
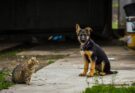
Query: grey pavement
[(62, 76)]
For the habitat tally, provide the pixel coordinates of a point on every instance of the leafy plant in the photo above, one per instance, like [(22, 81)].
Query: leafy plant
[(4, 84)]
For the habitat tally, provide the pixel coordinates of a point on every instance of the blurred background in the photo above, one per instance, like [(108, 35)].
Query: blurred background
[(40, 20)]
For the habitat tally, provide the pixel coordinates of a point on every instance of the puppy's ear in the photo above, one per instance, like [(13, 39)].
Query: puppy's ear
[(77, 28), (89, 29)]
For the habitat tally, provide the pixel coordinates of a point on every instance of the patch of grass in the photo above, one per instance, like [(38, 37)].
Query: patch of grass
[(9, 53), (50, 61), (4, 84), (109, 89)]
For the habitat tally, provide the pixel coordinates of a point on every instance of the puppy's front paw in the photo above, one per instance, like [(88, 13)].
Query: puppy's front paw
[(89, 75), (102, 74), (82, 74)]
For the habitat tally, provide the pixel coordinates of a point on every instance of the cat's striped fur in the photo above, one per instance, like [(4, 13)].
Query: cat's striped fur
[(22, 73)]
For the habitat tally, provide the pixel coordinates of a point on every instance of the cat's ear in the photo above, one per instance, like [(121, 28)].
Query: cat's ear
[(29, 61), (33, 58)]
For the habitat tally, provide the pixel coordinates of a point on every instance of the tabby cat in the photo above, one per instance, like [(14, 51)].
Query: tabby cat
[(22, 73)]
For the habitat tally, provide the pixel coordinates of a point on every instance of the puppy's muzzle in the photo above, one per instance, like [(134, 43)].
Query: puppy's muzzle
[(83, 38)]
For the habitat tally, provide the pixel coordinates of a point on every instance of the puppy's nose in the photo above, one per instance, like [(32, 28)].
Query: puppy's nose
[(83, 37)]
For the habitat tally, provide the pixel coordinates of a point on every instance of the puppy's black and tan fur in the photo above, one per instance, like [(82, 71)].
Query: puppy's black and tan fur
[(92, 53)]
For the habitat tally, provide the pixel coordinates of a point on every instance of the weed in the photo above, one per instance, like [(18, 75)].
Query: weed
[(12, 53), (50, 61), (4, 84), (109, 89), (7, 54)]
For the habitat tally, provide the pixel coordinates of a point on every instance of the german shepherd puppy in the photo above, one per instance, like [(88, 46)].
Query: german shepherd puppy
[(92, 53)]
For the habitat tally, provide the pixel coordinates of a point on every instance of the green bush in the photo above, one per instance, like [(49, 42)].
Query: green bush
[(109, 89), (4, 84)]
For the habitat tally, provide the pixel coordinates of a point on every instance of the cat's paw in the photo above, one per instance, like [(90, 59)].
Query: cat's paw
[(27, 82)]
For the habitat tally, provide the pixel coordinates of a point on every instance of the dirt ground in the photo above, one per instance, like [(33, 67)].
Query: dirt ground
[(62, 76), (46, 55), (121, 58), (10, 62)]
